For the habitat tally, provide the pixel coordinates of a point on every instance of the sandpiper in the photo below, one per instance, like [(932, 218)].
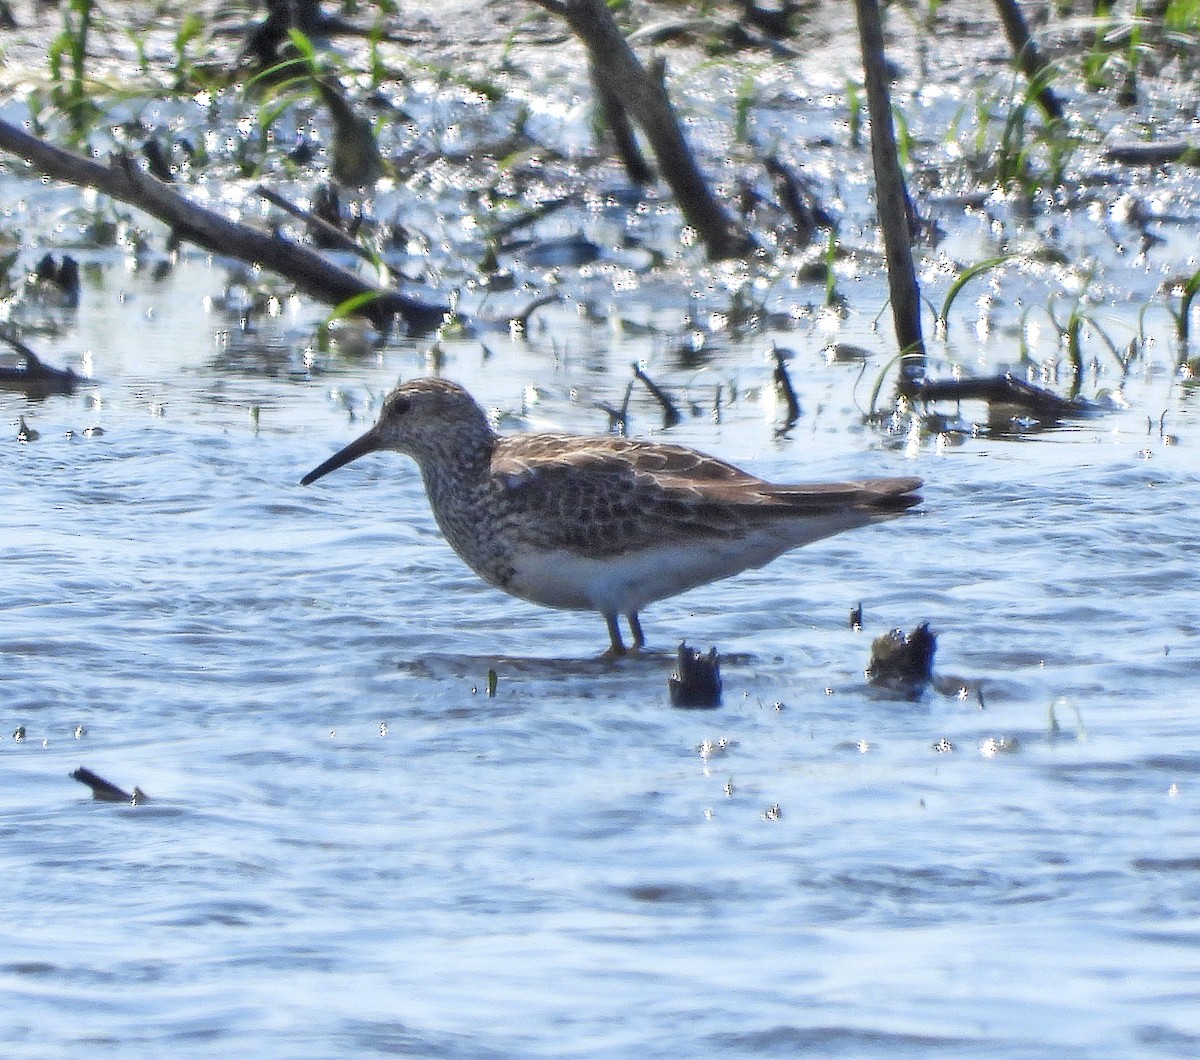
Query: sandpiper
[(603, 523)]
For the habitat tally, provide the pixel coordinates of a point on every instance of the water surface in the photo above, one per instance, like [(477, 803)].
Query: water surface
[(350, 848)]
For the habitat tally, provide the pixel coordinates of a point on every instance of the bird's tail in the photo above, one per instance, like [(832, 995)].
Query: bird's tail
[(891, 494)]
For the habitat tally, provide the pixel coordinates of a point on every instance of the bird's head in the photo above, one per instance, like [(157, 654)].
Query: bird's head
[(427, 419)]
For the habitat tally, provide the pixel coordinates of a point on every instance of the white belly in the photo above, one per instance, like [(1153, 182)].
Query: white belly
[(625, 583)]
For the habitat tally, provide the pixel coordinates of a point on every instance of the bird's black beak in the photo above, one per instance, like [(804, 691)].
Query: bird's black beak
[(368, 443)]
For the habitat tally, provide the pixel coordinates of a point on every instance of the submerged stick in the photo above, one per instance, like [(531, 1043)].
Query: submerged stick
[(783, 385), (123, 180), (997, 390), (34, 378), (105, 791), (1131, 153), (671, 414)]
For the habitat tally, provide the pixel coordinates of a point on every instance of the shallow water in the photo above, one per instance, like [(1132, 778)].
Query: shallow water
[(351, 848)]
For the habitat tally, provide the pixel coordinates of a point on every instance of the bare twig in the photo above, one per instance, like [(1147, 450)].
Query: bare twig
[(671, 414), (318, 227), (783, 384)]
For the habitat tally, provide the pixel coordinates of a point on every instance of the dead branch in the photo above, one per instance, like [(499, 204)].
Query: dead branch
[(123, 180), (1029, 58), (617, 120), (27, 372), (1003, 391), (891, 194), (642, 93)]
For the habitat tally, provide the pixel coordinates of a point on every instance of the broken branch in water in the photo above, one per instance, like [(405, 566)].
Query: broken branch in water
[(1028, 57), (641, 92), (696, 682), (122, 179), (33, 377), (1132, 153), (104, 791), (671, 414), (1002, 390), (896, 213)]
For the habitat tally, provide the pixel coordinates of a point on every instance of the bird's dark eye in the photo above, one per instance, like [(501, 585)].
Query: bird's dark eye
[(401, 406)]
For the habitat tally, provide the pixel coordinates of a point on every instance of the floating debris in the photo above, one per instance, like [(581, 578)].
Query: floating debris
[(103, 791), (1137, 153), (903, 662), (557, 253), (1008, 399), (63, 275), (856, 618), (845, 353), (696, 682), (27, 373), (943, 746)]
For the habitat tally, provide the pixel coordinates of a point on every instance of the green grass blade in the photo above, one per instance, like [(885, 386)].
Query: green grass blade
[(965, 277)]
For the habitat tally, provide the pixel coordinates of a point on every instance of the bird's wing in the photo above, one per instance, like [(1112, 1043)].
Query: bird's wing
[(610, 495), (524, 451)]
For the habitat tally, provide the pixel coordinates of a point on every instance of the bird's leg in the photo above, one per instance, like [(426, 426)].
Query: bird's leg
[(616, 647), (635, 627)]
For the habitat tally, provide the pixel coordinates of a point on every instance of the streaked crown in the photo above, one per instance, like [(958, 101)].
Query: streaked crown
[(432, 419)]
